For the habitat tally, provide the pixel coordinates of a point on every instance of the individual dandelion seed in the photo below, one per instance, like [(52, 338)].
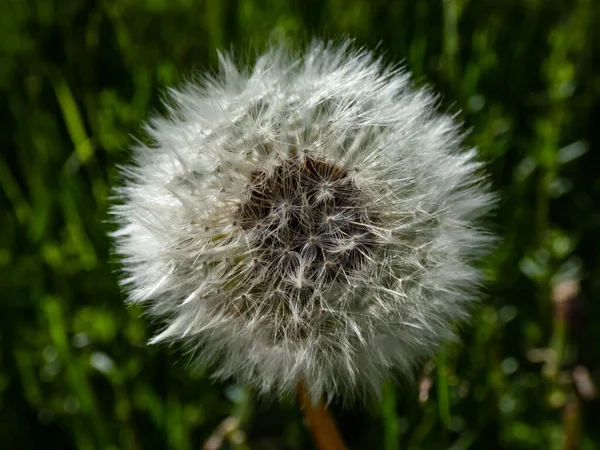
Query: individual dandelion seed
[(310, 220)]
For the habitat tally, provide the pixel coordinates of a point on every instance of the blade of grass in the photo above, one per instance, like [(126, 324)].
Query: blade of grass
[(391, 429)]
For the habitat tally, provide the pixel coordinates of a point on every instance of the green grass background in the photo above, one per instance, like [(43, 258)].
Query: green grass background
[(78, 78)]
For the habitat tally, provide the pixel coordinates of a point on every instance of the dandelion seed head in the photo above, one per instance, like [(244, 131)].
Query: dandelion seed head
[(312, 219)]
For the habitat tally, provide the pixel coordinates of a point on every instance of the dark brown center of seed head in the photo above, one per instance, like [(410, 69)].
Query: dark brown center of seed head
[(307, 211)]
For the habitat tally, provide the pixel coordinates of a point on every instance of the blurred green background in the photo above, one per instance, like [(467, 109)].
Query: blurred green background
[(78, 78)]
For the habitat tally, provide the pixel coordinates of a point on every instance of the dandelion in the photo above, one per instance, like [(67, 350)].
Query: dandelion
[(312, 220)]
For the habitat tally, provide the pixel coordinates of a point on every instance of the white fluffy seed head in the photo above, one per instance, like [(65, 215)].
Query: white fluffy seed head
[(312, 219)]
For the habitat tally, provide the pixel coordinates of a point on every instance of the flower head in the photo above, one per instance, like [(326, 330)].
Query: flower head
[(309, 220)]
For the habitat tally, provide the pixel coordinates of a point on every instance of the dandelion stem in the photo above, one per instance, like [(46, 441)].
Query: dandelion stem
[(320, 422)]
